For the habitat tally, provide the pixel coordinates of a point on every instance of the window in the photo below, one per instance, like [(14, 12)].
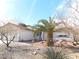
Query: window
[(63, 36)]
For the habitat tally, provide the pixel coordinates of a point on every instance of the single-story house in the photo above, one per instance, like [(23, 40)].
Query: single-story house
[(21, 33), (26, 34)]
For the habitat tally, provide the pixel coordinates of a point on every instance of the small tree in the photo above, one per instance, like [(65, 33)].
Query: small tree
[(7, 38), (74, 31)]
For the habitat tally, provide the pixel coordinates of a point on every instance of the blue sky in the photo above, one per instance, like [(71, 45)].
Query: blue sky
[(28, 11)]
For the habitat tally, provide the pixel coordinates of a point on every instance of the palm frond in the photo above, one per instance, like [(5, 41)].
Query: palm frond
[(43, 22)]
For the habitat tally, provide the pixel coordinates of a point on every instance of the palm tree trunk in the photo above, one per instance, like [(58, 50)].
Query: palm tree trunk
[(50, 41)]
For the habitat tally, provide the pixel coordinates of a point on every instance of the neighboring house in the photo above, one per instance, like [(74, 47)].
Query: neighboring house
[(61, 34), (21, 33)]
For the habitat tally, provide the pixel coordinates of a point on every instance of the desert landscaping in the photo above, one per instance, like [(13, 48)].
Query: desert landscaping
[(20, 50), (39, 29)]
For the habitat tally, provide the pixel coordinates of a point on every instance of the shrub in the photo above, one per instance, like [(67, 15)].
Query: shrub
[(53, 54)]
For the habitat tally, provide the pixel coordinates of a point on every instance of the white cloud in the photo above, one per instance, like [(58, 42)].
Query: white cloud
[(59, 7)]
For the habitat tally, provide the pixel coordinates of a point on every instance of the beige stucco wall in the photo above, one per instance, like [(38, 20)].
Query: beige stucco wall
[(25, 35)]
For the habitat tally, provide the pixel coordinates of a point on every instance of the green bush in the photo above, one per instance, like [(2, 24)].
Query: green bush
[(53, 54)]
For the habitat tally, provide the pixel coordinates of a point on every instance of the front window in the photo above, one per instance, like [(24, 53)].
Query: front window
[(63, 36)]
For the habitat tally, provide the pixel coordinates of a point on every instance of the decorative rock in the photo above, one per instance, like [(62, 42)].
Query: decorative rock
[(38, 48), (35, 53)]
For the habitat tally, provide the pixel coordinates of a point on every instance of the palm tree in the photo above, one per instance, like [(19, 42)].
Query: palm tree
[(46, 26), (35, 32)]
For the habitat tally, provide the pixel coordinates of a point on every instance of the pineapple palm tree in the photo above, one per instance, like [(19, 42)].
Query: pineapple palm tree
[(46, 26)]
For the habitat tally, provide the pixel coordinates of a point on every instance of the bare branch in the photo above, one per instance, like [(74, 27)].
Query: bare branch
[(6, 39), (2, 39), (12, 39)]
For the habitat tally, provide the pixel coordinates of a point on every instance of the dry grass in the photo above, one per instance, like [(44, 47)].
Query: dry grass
[(25, 51), (71, 53), (41, 44), (18, 51)]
